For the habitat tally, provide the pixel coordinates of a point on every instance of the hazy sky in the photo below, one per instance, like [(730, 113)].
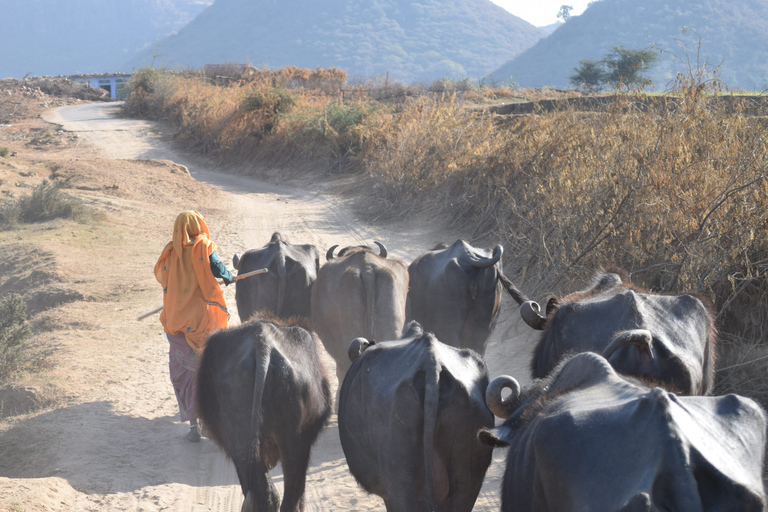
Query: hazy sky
[(540, 12)]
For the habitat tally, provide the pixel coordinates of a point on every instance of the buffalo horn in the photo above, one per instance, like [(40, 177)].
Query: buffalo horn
[(497, 252), (236, 260), (382, 249), (357, 347), (501, 407), (530, 311), (638, 337), (329, 254)]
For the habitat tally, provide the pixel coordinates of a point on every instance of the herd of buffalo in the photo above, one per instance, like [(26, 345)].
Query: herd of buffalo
[(618, 417)]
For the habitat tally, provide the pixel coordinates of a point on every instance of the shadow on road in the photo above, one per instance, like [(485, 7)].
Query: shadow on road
[(151, 451)]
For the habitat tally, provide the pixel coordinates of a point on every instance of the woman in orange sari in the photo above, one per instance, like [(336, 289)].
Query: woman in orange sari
[(193, 305)]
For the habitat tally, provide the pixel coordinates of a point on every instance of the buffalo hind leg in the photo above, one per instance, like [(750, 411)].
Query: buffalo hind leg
[(259, 492), (341, 371), (295, 461)]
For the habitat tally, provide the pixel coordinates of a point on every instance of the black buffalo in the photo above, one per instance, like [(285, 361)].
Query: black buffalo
[(408, 416), (587, 439), (286, 289), (263, 396), (667, 338), (358, 293), (455, 292)]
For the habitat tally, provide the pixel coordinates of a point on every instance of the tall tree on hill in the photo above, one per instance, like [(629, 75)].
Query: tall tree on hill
[(590, 74), (622, 67), (627, 66)]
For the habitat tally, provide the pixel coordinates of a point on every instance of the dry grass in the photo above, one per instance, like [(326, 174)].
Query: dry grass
[(277, 118), (672, 188), (46, 202), (678, 198)]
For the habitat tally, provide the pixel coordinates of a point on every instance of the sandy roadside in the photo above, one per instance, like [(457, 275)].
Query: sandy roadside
[(115, 442)]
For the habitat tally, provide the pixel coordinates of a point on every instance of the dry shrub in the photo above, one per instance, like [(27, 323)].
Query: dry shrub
[(14, 335), (329, 81), (675, 197), (272, 119), (500, 92), (381, 89), (446, 85), (422, 157), (148, 92), (673, 188), (486, 94), (46, 202), (676, 194)]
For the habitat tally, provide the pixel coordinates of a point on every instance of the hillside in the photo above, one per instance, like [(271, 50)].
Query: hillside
[(410, 41), (732, 33), (51, 37)]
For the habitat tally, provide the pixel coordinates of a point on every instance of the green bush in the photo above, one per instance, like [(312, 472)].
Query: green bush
[(344, 118), (145, 81), (4, 152), (46, 202), (332, 121), (14, 335), (336, 130), (275, 101), (147, 93), (269, 105)]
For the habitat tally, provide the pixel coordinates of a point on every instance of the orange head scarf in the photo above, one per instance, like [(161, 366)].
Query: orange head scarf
[(193, 302)]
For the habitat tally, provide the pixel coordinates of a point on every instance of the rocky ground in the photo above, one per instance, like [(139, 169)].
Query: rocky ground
[(25, 98)]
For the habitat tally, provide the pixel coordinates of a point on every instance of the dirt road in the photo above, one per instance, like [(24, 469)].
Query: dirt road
[(124, 450)]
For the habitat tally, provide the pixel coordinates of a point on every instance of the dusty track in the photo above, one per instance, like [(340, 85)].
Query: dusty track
[(124, 450)]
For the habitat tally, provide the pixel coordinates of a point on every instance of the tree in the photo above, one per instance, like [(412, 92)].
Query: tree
[(622, 67), (626, 66), (589, 74), (565, 12)]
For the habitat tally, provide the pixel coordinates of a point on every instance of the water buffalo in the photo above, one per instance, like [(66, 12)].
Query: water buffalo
[(264, 396), (358, 293), (667, 338), (285, 290), (586, 438), (455, 292), (411, 408)]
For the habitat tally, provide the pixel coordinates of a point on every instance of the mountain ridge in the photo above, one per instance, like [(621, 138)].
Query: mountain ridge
[(408, 40), (733, 36), (51, 37)]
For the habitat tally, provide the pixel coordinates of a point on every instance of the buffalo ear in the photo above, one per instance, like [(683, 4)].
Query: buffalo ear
[(552, 304), (357, 347), (412, 330), (490, 437)]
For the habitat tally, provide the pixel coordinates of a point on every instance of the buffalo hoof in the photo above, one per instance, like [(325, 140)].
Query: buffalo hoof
[(193, 436)]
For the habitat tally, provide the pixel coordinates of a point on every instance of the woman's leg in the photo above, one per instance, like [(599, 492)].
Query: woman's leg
[(183, 364), (193, 436)]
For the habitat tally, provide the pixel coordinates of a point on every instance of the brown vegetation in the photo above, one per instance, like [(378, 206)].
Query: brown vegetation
[(676, 195)]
